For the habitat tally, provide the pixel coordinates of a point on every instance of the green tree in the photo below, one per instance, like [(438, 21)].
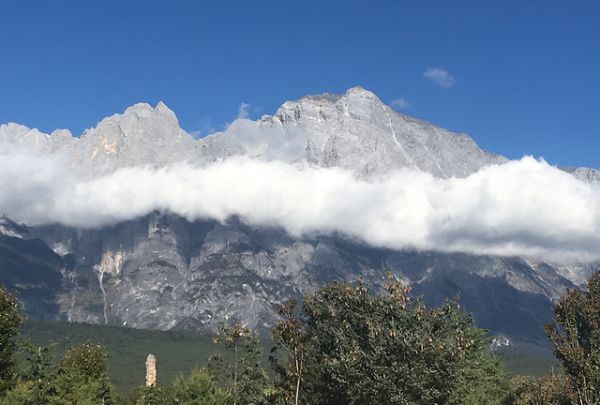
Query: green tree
[(82, 376), (35, 379), (24, 393), (198, 389), (149, 396), (10, 321), (575, 338), (481, 380), (244, 377), (364, 348), (290, 335)]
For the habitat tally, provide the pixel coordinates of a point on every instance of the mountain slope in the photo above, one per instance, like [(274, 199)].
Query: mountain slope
[(163, 272)]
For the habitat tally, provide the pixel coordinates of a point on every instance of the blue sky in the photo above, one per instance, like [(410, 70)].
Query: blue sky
[(521, 77)]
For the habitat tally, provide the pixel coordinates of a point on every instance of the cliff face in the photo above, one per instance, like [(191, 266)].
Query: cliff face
[(163, 272)]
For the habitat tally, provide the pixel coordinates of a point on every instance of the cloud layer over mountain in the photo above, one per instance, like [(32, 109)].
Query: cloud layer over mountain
[(524, 207)]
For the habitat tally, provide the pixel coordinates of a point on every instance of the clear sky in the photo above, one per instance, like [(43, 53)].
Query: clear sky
[(521, 77)]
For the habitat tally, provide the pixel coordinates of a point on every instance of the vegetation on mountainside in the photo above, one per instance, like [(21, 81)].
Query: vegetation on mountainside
[(346, 344)]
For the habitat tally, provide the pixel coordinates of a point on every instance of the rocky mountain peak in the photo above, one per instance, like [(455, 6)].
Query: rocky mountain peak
[(357, 131), (323, 107), (358, 96), (142, 135), (20, 137), (354, 130), (141, 120)]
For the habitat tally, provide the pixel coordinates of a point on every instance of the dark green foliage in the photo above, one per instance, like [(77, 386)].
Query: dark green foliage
[(25, 393), (37, 362), (364, 348), (127, 348), (345, 345), (575, 337), (37, 375), (82, 375), (244, 376), (481, 381), (198, 389), (149, 396), (10, 321), (88, 360), (80, 378)]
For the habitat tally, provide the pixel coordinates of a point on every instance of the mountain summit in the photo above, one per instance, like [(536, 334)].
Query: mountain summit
[(357, 131), (354, 131)]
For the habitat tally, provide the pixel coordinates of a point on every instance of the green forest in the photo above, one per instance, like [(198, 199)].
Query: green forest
[(347, 343)]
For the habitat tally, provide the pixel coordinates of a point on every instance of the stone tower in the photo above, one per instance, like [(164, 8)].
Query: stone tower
[(150, 370)]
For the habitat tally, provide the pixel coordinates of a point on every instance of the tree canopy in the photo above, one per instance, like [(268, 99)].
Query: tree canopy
[(362, 347)]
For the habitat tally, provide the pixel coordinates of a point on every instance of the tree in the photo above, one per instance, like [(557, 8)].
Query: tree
[(38, 373), (149, 396), (290, 334), (575, 337), (365, 348), (82, 376), (198, 389), (10, 321), (245, 378)]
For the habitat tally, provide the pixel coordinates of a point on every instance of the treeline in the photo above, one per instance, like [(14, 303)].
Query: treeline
[(345, 344)]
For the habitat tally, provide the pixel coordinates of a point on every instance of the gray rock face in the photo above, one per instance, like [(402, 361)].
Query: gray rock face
[(163, 272), (585, 174), (356, 131)]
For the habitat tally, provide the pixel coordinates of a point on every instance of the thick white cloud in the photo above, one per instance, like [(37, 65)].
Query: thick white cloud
[(524, 207)]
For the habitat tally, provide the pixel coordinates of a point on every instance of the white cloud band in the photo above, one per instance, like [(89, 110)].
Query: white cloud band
[(524, 207)]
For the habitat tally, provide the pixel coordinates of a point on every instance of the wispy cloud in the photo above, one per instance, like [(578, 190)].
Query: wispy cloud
[(400, 103), (243, 111), (440, 76)]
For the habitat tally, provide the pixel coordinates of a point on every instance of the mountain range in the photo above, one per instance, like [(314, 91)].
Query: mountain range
[(164, 270)]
